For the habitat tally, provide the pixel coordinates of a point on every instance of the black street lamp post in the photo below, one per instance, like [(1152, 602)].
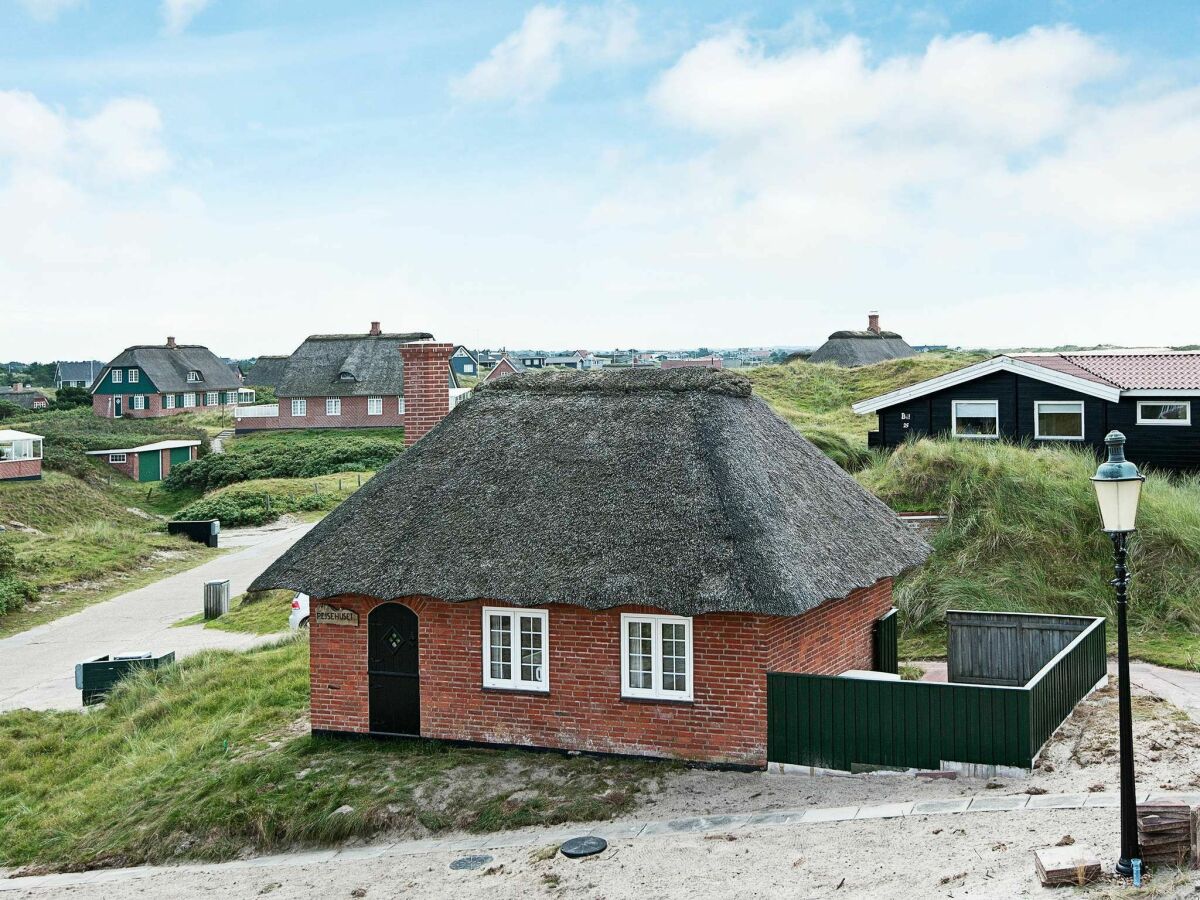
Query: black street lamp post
[(1118, 488)]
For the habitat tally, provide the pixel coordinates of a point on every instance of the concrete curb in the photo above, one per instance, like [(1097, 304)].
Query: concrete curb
[(616, 831)]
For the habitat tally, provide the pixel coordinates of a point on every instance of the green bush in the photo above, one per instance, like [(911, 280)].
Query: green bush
[(1023, 534), (14, 591), (296, 454), (247, 504)]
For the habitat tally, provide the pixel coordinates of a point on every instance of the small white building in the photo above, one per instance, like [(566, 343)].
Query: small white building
[(20, 456)]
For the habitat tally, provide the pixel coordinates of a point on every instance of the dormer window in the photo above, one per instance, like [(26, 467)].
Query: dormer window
[(193, 376), (346, 376)]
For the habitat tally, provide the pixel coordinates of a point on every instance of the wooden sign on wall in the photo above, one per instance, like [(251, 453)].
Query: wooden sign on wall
[(332, 615)]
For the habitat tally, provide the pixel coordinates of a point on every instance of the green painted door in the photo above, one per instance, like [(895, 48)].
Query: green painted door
[(180, 455), (149, 466)]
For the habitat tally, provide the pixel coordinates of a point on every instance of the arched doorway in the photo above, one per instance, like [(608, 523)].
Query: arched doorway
[(392, 667)]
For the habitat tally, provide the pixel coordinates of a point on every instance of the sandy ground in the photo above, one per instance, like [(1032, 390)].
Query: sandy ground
[(978, 855)]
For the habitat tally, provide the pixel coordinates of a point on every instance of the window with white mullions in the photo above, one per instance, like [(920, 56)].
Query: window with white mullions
[(515, 645), (975, 419), (656, 657), (1058, 421)]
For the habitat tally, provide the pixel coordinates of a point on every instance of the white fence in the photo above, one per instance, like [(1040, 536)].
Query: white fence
[(262, 411), (458, 395)]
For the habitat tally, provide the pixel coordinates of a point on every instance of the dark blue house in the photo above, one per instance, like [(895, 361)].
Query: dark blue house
[(463, 362), (1073, 398)]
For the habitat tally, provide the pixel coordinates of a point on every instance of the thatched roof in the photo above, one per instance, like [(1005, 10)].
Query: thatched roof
[(266, 371), (347, 365), (167, 367), (861, 348), (676, 489)]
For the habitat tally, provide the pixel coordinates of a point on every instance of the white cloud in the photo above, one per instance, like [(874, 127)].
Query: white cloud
[(178, 14), (48, 10), (527, 64), (123, 139)]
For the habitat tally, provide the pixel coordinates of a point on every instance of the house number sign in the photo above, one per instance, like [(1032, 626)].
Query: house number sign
[(331, 615)]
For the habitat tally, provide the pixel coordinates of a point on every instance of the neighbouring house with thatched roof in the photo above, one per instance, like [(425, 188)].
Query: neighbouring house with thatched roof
[(266, 372), (151, 380), (861, 348), (637, 593), (372, 380)]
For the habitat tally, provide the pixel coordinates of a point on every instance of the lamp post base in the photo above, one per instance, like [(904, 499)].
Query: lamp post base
[(1125, 867)]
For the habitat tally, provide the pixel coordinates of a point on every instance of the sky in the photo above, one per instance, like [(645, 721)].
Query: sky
[(243, 173)]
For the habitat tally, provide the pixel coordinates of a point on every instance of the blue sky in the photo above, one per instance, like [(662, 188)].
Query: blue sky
[(242, 174)]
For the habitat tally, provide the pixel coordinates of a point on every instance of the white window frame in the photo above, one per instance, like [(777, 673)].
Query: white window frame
[(134, 376), (299, 407), (656, 692), (468, 368), (189, 400), (514, 616), (168, 401), (973, 437), (1037, 411), (212, 398), (139, 401), (117, 457), (193, 376), (374, 406), (400, 405), (333, 406), (1184, 403), (118, 376)]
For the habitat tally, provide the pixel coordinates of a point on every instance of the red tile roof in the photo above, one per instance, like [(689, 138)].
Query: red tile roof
[(1128, 371)]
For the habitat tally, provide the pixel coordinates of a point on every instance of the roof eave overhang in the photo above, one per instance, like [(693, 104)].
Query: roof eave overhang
[(1163, 392), (1110, 393)]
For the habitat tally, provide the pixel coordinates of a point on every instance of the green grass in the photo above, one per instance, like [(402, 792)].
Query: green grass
[(264, 500), (210, 758), (266, 612), (1023, 535), (57, 501)]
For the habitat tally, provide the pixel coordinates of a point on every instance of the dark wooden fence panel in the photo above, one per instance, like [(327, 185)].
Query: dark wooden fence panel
[(1005, 648), (837, 723), (886, 654)]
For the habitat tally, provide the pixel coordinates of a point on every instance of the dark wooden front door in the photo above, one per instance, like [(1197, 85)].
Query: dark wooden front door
[(392, 666)]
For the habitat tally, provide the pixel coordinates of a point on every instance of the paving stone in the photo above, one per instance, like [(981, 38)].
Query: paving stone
[(1057, 801), (937, 807), (997, 804), (291, 859), (1105, 801), (370, 851), (620, 830), (777, 817), (834, 814), (1189, 799), (884, 811)]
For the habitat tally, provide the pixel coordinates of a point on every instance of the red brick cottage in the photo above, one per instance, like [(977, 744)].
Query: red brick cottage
[(20, 455), (151, 380), (372, 380), (632, 595)]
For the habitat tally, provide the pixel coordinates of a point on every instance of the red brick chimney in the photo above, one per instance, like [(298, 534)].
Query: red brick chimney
[(170, 343), (375, 329), (426, 387), (873, 321)]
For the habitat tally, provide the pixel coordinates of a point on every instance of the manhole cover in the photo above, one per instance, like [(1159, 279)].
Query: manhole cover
[(470, 862), (583, 846)]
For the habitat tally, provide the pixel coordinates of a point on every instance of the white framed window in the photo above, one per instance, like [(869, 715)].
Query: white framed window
[(117, 376), (139, 401), (189, 400), (468, 368), (516, 649), (374, 406), (333, 406), (116, 457), (299, 406), (212, 398), (656, 657), (400, 405), (168, 401), (134, 375), (1057, 420), (1164, 412), (975, 418), (193, 375)]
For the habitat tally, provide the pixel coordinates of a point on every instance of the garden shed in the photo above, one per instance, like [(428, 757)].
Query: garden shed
[(632, 597), (149, 462)]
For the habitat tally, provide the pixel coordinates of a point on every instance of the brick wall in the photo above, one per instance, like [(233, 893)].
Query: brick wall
[(584, 710), (129, 467), (20, 468), (354, 415), (426, 387)]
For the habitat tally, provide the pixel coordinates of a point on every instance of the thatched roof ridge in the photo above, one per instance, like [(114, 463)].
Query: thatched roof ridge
[(677, 489), (861, 348), (347, 365), (266, 371)]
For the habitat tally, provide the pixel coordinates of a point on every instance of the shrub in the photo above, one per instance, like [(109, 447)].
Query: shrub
[(264, 501), (14, 591)]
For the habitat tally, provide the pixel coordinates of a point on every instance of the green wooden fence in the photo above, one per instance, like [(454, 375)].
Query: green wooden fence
[(886, 658), (838, 723)]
